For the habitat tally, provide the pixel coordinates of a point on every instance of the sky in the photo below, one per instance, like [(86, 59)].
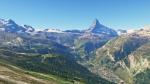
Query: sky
[(77, 14)]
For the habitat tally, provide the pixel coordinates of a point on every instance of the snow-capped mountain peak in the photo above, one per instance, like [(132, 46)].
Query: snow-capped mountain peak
[(10, 26), (98, 28), (53, 30)]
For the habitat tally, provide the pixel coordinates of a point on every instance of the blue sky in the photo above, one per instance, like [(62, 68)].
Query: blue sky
[(77, 14)]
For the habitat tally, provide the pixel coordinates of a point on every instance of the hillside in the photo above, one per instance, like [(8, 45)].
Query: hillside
[(51, 64), (124, 58)]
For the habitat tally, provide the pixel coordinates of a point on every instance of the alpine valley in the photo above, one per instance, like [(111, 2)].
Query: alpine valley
[(96, 55)]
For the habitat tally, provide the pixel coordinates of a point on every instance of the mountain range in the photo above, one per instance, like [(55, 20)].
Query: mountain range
[(96, 55)]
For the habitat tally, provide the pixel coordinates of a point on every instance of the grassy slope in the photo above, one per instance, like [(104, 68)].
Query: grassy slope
[(13, 75)]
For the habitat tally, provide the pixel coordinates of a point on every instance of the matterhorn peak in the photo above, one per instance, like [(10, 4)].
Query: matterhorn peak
[(95, 24), (98, 28)]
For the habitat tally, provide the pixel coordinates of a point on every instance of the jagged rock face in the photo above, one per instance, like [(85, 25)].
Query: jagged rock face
[(125, 56), (29, 28), (10, 39), (98, 28)]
